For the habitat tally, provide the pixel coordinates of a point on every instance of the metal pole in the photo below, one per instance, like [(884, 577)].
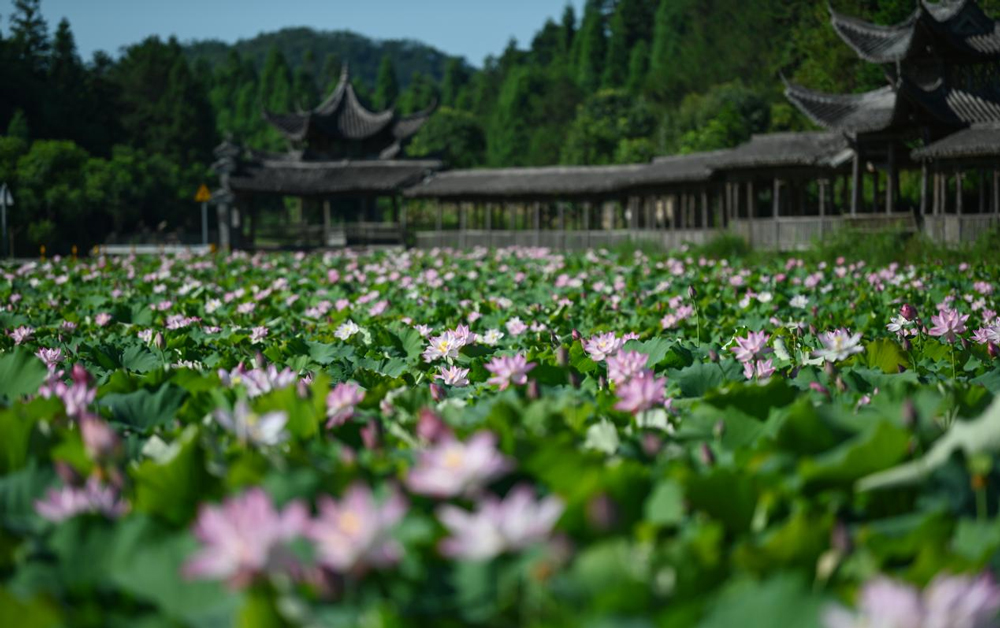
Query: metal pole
[(204, 223)]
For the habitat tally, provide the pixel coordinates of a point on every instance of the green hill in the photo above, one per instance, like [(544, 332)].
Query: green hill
[(329, 47)]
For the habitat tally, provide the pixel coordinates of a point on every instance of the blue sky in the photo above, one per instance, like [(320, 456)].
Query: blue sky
[(472, 28)]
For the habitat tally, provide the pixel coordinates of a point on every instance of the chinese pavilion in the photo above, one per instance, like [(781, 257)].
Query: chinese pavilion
[(340, 152), (942, 76)]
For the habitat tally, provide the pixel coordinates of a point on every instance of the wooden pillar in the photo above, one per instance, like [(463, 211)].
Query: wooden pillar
[(855, 183), (704, 208), (327, 222), (958, 191), (996, 191), (891, 181), (776, 200), (536, 221), (751, 201), (923, 188), (822, 197)]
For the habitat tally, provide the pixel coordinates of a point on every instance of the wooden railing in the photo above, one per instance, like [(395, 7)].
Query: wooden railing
[(954, 230), (570, 240)]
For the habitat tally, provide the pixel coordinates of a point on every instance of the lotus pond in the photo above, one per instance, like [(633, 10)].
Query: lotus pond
[(498, 438)]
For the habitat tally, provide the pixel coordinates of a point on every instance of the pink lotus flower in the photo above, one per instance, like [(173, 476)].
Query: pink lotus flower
[(753, 347), (947, 602), (21, 335), (838, 345), (509, 370), (763, 369), (102, 319), (641, 393), (266, 429), (625, 364), (452, 467), (93, 498), (258, 381), (245, 537), (454, 376), (258, 334), (446, 346), (100, 441), (51, 357), (498, 526), (354, 534), (601, 346), (341, 402), (948, 324)]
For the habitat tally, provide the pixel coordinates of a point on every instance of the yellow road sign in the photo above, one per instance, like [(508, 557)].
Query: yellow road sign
[(203, 195)]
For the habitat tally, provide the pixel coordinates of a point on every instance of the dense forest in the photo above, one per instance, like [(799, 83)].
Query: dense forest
[(119, 144)]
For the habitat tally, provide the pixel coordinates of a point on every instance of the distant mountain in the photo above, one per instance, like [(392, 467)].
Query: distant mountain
[(363, 53)]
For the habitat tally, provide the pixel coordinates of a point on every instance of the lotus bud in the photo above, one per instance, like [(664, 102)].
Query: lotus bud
[(907, 345), (820, 388), (437, 393), (562, 356), (706, 455), (692, 293), (430, 427), (651, 444), (602, 383), (812, 329), (713, 356), (80, 375), (993, 350), (574, 380), (909, 413), (532, 389), (830, 369), (370, 434), (100, 441), (841, 384), (158, 340), (908, 312), (576, 334)]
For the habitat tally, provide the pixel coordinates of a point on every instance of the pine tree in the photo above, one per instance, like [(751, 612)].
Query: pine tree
[(29, 34), (304, 84), (568, 26), (386, 84), (590, 47), (638, 67), (455, 78), (276, 83), (616, 65)]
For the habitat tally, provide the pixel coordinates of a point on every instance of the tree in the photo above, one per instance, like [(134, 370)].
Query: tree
[(67, 81), (638, 67), (276, 83), (616, 66), (568, 28), (29, 35), (456, 77), (604, 121), (590, 47), (453, 136), (386, 84), (421, 94)]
